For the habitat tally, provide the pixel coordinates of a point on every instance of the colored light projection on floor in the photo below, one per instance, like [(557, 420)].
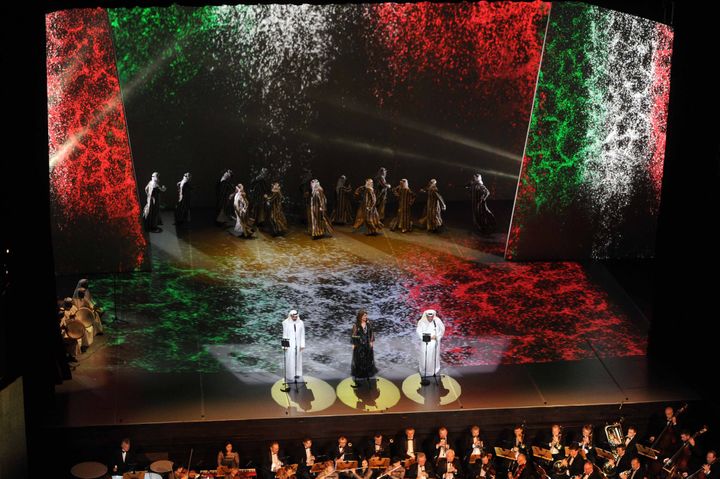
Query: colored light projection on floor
[(92, 181), (217, 303), (592, 172)]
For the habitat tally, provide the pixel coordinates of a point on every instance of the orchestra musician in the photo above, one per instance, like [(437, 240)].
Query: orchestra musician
[(556, 443), (688, 457), (228, 457), (573, 462), (364, 473), (378, 448), (442, 444), (522, 469), (422, 469), (122, 459), (487, 470), (306, 459), (343, 451), (631, 442), (634, 472), (665, 431), (621, 461), (518, 442), (586, 443), (408, 445), (589, 471), (474, 447), (271, 461), (711, 469), (395, 469), (449, 466)]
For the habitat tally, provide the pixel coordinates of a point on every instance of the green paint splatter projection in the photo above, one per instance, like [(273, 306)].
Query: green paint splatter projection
[(159, 45), (592, 170)]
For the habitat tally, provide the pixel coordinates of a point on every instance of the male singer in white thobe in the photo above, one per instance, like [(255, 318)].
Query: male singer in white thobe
[(432, 325), (294, 331)]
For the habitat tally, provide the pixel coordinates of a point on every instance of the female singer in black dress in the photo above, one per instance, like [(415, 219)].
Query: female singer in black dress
[(363, 339)]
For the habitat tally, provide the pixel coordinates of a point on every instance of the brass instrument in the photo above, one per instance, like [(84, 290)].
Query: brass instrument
[(614, 433), (625, 473)]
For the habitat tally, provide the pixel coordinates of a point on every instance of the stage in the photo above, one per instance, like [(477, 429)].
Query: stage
[(198, 338)]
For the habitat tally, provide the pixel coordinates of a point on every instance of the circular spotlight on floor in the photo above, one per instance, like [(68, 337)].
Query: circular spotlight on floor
[(315, 395), (376, 394), (445, 391)]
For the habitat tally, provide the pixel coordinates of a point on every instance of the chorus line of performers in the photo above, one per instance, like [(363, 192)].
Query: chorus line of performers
[(429, 329), (263, 206)]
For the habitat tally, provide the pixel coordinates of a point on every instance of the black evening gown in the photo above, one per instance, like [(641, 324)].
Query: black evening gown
[(363, 358)]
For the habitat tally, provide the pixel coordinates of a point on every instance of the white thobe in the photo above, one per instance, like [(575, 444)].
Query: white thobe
[(294, 331), (434, 328)]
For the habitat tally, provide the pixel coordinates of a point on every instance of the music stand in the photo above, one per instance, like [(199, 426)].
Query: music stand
[(379, 462), (426, 339), (604, 454), (508, 454), (285, 345), (341, 466), (647, 451), (542, 453), (317, 467)]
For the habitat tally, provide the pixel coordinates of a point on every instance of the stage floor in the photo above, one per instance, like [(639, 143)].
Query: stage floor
[(197, 339)]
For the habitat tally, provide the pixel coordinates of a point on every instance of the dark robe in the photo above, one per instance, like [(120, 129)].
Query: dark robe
[(381, 194), (182, 209), (403, 220), (432, 220), (367, 213), (278, 222), (483, 219), (363, 357), (343, 206), (151, 212), (259, 187), (318, 223), (243, 223), (224, 191)]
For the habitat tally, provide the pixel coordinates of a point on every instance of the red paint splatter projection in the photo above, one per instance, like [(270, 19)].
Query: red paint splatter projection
[(94, 200), (521, 313), (490, 50), (660, 96)]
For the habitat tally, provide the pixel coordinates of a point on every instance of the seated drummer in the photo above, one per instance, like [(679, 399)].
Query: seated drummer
[(228, 457), (422, 469), (122, 460)]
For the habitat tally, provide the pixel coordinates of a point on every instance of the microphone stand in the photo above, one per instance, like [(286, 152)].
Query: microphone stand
[(437, 351), (424, 380), (285, 344)]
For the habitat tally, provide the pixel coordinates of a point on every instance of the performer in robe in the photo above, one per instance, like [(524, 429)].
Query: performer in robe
[(430, 324), (278, 222), (294, 331), (318, 223), (406, 197), (483, 219), (80, 302), (182, 208), (151, 212), (224, 194), (342, 214), (363, 342), (259, 187), (243, 223), (432, 220), (367, 213), (382, 187), (306, 193)]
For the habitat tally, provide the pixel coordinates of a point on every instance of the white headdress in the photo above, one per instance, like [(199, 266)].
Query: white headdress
[(429, 315), (291, 313)]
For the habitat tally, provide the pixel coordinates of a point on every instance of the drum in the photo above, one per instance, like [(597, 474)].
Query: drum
[(88, 470), (152, 475), (161, 467), (75, 329)]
